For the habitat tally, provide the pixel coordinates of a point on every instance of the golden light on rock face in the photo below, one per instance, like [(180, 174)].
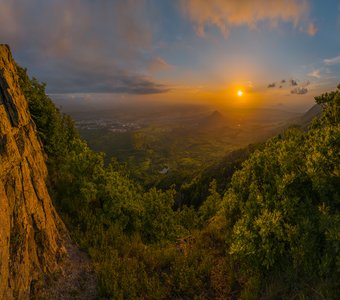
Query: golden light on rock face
[(239, 93)]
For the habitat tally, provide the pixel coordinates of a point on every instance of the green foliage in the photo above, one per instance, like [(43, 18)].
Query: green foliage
[(283, 205), (209, 207), (197, 190), (55, 129), (274, 234), (159, 219), (330, 103)]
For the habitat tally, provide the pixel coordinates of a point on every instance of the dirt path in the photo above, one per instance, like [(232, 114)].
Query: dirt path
[(77, 280)]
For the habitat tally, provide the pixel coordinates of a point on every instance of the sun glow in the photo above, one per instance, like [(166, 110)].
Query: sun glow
[(239, 93)]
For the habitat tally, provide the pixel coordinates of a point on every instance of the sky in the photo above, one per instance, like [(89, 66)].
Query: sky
[(280, 53)]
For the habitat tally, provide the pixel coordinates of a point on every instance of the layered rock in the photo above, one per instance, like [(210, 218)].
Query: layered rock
[(30, 229)]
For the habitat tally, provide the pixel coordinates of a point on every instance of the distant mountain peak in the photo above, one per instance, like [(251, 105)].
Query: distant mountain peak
[(216, 114), (215, 119)]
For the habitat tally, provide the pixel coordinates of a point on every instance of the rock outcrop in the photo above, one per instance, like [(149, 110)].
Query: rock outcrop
[(31, 243)]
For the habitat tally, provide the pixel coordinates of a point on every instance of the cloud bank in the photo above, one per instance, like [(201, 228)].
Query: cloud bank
[(227, 14), (84, 45)]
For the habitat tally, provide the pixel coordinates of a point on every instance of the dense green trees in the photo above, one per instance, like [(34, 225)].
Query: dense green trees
[(275, 233), (282, 209), (56, 130)]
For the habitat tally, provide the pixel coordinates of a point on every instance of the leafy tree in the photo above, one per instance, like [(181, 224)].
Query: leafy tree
[(281, 200), (55, 129), (210, 206)]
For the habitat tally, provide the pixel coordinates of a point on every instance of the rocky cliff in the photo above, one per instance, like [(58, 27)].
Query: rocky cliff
[(30, 229)]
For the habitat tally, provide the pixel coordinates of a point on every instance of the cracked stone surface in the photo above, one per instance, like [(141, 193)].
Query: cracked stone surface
[(31, 232)]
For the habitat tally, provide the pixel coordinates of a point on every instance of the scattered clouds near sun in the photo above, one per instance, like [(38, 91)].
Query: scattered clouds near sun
[(299, 90), (227, 14), (295, 86)]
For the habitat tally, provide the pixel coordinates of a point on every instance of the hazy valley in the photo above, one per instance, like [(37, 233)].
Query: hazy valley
[(161, 142)]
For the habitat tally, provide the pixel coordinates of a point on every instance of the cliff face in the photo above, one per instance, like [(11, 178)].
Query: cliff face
[(30, 229)]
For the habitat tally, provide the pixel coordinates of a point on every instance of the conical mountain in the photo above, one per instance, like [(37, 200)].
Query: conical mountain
[(214, 120)]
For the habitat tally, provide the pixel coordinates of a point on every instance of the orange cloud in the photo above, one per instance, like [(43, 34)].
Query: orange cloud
[(312, 29), (227, 14)]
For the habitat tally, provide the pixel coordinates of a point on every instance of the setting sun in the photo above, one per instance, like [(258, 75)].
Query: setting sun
[(239, 93)]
